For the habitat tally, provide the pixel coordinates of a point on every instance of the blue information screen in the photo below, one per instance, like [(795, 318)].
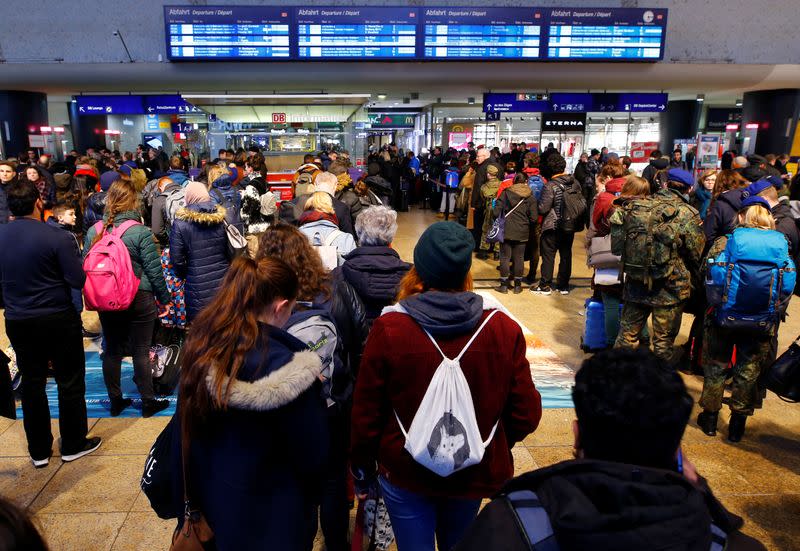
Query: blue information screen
[(494, 33), (413, 33), (627, 34)]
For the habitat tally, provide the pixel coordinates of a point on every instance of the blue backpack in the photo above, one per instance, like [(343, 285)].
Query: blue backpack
[(757, 262), (451, 178), (536, 183)]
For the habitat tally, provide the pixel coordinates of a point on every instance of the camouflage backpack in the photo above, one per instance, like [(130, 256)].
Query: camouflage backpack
[(648, 241)]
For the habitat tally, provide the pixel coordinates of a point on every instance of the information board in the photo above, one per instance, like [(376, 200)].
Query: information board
[(577, 102), (413, 33), (491, 33), (609, 34), (136, 105)]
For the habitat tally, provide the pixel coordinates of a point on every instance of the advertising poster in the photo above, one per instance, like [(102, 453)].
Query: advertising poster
[(707, 151), (459, 140), (640, 151)]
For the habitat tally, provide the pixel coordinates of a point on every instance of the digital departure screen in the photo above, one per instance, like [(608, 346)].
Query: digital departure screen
[(606, 34), (225, 33), (248, 33), (500, 33), (377, 33)]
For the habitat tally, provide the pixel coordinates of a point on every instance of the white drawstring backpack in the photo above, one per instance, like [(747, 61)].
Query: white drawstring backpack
[(444, 435)]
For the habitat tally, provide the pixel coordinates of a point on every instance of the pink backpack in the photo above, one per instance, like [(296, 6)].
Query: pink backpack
[(111, 283)]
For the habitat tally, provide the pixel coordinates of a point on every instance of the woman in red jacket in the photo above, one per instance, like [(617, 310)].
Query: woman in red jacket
[(397, 367)]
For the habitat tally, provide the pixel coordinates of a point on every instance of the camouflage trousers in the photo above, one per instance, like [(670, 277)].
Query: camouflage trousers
[(752, 355), (666, 324)]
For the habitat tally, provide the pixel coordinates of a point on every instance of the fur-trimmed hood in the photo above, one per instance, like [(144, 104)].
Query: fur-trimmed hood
[(278, 388), (207, 214)]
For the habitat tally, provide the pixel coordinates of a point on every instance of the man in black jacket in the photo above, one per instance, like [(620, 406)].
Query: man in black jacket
[(38, 268), (629, 488), (478, 202)]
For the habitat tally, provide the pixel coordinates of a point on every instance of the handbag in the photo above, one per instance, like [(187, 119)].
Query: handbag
[(372, 519), (497, 233), (783, 376), (600, 255), (237, 244), (195, 534)]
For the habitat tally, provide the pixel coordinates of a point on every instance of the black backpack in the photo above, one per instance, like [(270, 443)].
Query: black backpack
[(573, 208)]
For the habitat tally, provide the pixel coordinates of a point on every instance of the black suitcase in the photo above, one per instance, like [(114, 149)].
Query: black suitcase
[(402, 205)]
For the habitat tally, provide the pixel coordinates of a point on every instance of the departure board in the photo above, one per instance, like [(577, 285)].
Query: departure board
[(355, 33), (231, 32), (249, 33), (625, 34), (477, 33)]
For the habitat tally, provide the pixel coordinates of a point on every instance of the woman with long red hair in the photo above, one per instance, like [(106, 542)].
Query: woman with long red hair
[(251, 395)]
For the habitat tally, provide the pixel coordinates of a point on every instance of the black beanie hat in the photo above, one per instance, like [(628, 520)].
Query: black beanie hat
[(373, 169), (443, 255)]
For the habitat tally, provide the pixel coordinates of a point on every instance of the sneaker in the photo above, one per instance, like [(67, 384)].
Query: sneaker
[(152, 407), (563, 291), (91, 445), (546, 291), (42, 463)]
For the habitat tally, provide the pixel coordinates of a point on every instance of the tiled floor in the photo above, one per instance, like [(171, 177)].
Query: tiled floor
[(95, 503)]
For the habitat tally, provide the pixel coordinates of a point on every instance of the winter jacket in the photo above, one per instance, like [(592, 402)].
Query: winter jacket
[(178, 176), (258, 209), (398, 364), (700, 198), (605, 506), (604, 206), (257, 468), (345, 194), (344, 243), (552, 198), (198, 246), (722, 217), (95, 207), (38, 269), (375, 274), (223, 193), (145, 259), (381, 187), (159, 219), (341, 211), (4, 212), (518, 223), (784, 223), (67, 194), (257, 181), (480, 179)]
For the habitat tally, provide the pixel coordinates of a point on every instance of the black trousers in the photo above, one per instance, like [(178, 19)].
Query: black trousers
[(532, 250), (512, 252), (55, 338), (130, 329), (556, 241), (335, 509), (477, 229)]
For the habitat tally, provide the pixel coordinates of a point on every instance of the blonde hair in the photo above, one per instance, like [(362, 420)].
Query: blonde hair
[(320, 201), (756, 216), (216, 172), (635, 187)]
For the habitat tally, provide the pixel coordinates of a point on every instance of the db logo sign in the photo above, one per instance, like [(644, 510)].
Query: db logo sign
[(278, 118)]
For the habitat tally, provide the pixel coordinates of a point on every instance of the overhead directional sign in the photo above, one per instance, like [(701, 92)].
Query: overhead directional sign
[(576, 102), (135, 105), (168, 105)]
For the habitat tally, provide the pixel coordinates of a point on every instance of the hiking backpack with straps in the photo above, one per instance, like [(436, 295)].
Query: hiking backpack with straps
[(572, 208), (111, 283), (444, 436), (305, 184), (536, 183), (751, 281), (649, 244)]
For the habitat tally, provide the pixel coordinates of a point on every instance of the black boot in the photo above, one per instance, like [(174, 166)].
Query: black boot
[(118, 405), (503, 287), (736, 427), (151, 407), (517, 286), (707, 421), (482, 255)]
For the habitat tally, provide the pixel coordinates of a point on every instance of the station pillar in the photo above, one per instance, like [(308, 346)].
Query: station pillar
[(87, 130), (21, 113), (680, 121), (776, 113)]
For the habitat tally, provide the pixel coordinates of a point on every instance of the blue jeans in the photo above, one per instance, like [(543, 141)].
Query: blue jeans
[(417, 518)]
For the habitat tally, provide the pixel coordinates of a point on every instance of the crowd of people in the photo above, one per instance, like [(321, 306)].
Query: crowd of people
[(314, 357)]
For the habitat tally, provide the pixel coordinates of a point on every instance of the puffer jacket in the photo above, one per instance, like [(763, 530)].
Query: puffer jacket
[(198, 247), (223, 193), (552, 199), (375, 274), (518, 223), (145, 260), (721, 217)]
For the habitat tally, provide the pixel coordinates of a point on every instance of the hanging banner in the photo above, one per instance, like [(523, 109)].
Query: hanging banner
[(707, 151)]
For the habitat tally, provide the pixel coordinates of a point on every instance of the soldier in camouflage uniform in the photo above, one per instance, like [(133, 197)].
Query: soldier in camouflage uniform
[(752, 352), (644, 291), (489, 193)]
